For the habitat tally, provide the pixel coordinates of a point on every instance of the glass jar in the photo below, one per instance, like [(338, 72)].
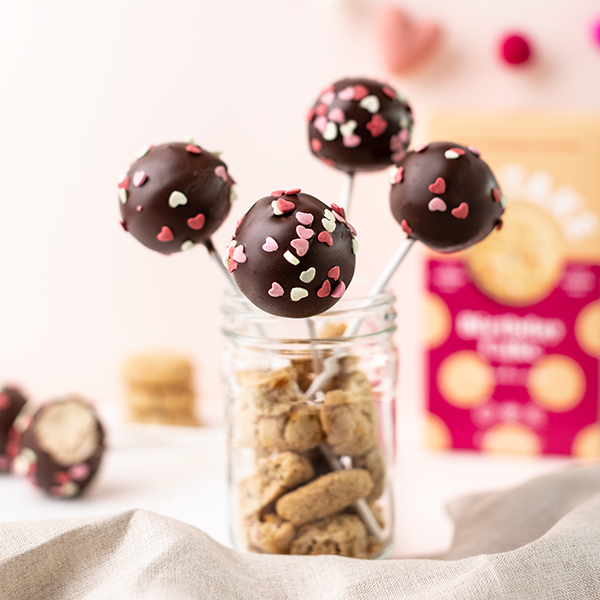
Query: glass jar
[(311, 428)]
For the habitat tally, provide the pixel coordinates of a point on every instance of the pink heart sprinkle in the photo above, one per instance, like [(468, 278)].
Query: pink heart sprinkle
[(79, 472), (351, 141), (165, 235), (304, 233), (292, 192), (340, 288), (221, 172), (276, 290), (377, 125), (285, 205), (437, 204), (474, 150), (316, 145), (320, 124), (347, 93), (124, 183), (325, 237), (389, 92), (420, 148), (270, 245), (328, 161), (337, 115), (324, 290), (399, 174), (304, 218), (439, 187), (138, 208), (461, 211), (496, 195), (328, 97), (458, 151), (278, 193), (196, 222), (4, 402), (139, 177), (300, 246), (192, 149), (334, 273), (338, 209), (360, 91), (238, 254), (406, 227)]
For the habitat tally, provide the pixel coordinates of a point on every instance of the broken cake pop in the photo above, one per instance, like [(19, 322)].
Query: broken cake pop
[(359, 125), (292, 255), (175, 196), (444, 195)]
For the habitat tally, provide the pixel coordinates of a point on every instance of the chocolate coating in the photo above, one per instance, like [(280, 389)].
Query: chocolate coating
[(12, 401), (60, 452), (445, 196), (175, 196), (359, 125), (297, 263)]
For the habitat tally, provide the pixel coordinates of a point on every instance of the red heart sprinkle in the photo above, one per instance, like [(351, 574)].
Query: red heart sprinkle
[(165, 235), (496, 195), (406, 227), (499, 225), (310, 114), (196, 222), (458, 151), (439, 187), (278, 193), (321, 110), (293, 192), (399, 174), (325, 237), (285, 205), (124, 183), (232, 265), (122, 224), (192, 149), (377, 125), (334, 273), (316, 145), (324, 290), (461, 211), (360, 91)]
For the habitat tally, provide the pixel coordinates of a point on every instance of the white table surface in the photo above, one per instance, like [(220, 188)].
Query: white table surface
[(181, 472)]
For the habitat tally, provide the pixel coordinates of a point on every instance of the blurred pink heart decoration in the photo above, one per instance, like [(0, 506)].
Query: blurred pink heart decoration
[(405, 43)]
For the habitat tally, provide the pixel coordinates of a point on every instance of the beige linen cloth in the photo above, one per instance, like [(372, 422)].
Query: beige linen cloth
[(539, 541)]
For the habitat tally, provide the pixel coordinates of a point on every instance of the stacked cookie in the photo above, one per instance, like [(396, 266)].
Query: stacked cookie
[(292, 502), (160, 389)]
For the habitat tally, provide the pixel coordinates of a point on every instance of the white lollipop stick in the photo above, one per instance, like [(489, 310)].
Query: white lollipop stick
[(346, 193)]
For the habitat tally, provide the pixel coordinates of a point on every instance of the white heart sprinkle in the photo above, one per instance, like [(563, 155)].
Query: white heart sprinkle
[(450, 154), (232, 195), (354, 246), (329, 215), (503, 200), (347, 129), (331, 131), (187, 245), (276, 210), (290, 258), (177, 199), (329, 225), (298, 293), (370, 103), (123, 195), (308, 275)]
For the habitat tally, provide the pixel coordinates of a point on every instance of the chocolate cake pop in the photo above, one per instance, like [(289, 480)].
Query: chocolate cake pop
[(292, 255), (444, 195), (60, 447), (12, 401), (175, 196), (359, 125)]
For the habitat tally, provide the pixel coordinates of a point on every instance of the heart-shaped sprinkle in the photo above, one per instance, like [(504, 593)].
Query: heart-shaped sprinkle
[(316, 145), (389, 92), (338, 217), (308, 275), (377, 125), (143, 151), (124, 182), (504, 201), (437, 204), (196, 222), (339, 290), (221, 172), (328, 215), (239, 255), (330, 132), (298, 293), (324, 290), (231, 265), (337, 115), (458, 151), (187, 245), (193, 149), (347, 93), (461, 211), (276, 210), (300, 246), (339, 210), (122, 224), (450, 154), (278, 193), (351, 141), (421, 148), (292, 192), (270, 245), (320, 124), (351, 227), (406, 227), (138, 208), (123, 195), (79, 472), (438, 187), (177, 199), (496, 195), (360, 91), (321, 110), (290, 257), (327, 97), (499, 225), (139, 178), (165, 235), (326, 238), (284, 205), (347, 129), (304, 233), (329, 225), (276, 290), (354, 245), (304, 218), (474, 150), (370, 103), (396, 174), (334, 273)]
